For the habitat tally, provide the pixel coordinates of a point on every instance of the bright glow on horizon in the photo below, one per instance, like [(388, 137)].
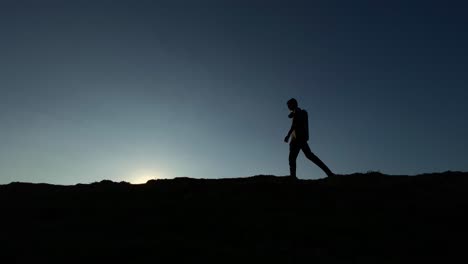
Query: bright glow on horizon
[(142, 176)]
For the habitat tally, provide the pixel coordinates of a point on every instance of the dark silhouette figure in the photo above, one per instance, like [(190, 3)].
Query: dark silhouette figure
[(299, 134)]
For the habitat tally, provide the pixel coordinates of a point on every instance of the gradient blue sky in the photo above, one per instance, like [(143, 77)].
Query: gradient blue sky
[(129, 90)]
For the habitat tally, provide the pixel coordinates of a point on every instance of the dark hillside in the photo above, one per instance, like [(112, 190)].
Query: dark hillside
[(358, 218)]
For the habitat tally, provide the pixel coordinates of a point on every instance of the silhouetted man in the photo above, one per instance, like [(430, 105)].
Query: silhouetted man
[(299, 134)]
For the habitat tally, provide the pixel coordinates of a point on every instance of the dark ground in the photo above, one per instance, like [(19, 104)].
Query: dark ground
[(359, 218)]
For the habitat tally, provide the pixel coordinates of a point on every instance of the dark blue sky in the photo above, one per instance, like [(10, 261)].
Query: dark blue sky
[(129, 90)]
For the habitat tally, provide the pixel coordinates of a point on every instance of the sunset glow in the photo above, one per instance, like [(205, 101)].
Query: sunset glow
[(141, 177)]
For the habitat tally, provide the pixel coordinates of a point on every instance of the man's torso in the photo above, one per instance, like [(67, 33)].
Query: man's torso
[(301, 126)]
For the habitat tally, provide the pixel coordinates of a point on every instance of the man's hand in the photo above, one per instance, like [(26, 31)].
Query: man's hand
[(286, 139)]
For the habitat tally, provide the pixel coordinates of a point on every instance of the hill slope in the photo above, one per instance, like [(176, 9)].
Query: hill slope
[(358, 218)]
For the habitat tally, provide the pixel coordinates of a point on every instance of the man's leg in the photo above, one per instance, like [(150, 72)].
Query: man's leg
[(294, 149), (311, 156)]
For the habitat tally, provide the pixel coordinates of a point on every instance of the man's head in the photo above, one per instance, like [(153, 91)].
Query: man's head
[(292, 104)]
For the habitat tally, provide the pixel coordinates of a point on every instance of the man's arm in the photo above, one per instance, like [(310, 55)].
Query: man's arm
[(293, 126), (290, 130)]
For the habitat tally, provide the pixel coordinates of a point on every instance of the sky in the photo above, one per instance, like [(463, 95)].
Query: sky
[(134, 90)]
